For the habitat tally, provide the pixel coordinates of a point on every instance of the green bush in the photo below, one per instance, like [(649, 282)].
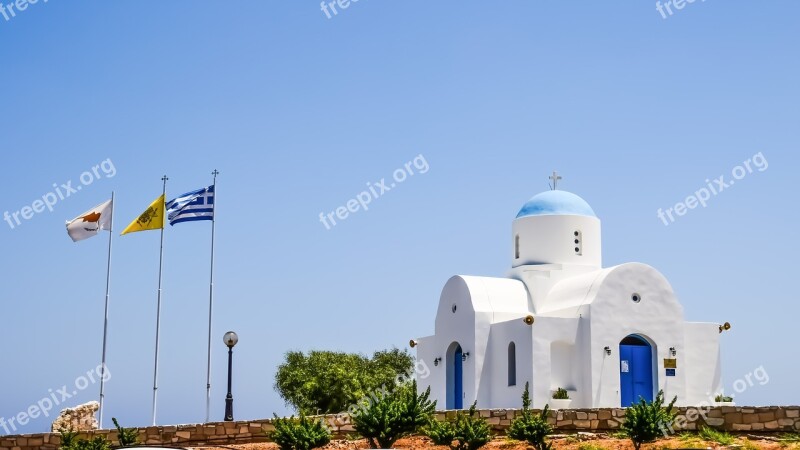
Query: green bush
[(644, 421), (472, 431), (68, 438), (723, 398), (299, 434), (441, 433), (70, 441), (468, 432), (530, 427), (394, 415), (127, 437), (561, 394)]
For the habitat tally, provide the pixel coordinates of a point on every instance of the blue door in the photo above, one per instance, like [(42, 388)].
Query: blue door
[(458, 382), (635, 370)]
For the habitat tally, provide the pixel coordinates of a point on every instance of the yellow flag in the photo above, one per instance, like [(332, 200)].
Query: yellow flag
[(151, 219)]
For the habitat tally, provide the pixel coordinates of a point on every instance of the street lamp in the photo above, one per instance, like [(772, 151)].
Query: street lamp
[(230, 339)]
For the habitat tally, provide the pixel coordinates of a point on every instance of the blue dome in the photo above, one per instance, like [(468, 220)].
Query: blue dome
[(561, 203)]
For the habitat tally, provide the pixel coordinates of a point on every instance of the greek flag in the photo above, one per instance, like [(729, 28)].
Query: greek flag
[(191, 206)]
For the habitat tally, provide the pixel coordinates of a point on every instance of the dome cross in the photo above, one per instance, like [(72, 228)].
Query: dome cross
[(555, 177)]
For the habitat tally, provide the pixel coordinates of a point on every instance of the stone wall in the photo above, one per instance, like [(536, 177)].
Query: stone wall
[(729, 418)]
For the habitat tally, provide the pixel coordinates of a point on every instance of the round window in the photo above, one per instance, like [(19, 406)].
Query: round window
[(454, 308), (636, 298)]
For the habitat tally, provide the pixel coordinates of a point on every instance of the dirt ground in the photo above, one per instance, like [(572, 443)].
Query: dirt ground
[(560, 442)]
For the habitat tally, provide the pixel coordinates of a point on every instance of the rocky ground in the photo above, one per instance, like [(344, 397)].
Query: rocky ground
[(583, 441)]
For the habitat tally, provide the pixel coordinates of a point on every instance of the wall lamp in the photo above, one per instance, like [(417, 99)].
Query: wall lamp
[(724, 327), (436, 361), (464, 356), (672, 351), (528, 319), (608, 350)]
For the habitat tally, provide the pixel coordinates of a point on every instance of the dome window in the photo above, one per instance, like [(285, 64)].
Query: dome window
[(516, 247), (577, 241)]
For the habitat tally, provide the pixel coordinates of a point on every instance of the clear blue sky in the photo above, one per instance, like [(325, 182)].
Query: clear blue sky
[(299, 112)]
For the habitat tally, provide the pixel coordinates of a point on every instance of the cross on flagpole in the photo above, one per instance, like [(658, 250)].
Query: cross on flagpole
[(555, 177)]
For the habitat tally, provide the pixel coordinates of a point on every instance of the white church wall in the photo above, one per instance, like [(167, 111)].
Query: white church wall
[(702, 362), (541, 279), (548, 365), (502, 395), (427, 351), (559, 246), (656, 317)]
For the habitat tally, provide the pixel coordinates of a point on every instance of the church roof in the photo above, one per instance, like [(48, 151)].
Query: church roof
[(556, 202)]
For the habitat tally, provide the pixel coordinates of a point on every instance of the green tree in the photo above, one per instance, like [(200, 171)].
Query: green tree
[(324, 382)]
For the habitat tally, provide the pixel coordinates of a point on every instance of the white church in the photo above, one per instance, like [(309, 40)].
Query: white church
[(608, 336)]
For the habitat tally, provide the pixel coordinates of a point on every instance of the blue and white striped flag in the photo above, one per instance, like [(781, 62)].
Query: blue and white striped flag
[(191, 206)]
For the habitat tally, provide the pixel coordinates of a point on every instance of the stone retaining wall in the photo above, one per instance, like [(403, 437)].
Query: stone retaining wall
[(729, 418)]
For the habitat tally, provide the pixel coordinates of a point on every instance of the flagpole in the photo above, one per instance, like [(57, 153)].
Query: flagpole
[(158, 310), (211, 298), (105, 316)]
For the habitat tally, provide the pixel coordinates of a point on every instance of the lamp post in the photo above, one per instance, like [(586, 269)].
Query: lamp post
[(230, 339)]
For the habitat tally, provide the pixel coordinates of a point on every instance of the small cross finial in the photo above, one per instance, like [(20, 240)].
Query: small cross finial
[(215, 172), (164, 178), (555, 177)]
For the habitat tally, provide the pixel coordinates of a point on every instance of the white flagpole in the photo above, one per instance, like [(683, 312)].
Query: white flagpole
[(158, 310), (105, 320), (211, 299)]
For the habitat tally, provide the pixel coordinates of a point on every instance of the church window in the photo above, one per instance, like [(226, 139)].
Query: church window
[(512, 364), (516, 247)]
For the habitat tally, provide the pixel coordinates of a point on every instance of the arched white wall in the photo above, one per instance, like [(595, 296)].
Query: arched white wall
[(658, 317)]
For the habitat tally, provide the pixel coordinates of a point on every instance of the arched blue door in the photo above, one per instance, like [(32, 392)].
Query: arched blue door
[(458, 379), (635, 370)]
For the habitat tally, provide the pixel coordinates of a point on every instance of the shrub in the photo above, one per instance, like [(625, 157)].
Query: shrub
[(561, 394), (394, 415), (126, 436), (723, 398), (472, 431), (299, 434), (531, 427), (70, 441), (468, 432), (644, 421), (441, 433), (68, 438)]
